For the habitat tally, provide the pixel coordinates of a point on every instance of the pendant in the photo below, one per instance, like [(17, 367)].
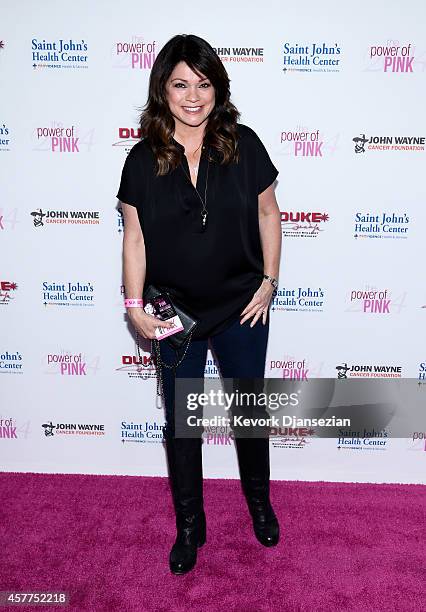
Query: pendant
[(203, 220)]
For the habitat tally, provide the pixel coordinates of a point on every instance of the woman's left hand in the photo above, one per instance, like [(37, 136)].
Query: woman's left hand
[(259, 304)]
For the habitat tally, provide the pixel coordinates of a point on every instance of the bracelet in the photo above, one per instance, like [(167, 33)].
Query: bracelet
[(272, 280), (133, 303)]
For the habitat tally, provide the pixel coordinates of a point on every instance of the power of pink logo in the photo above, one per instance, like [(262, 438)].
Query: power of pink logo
[(62, 140), (68, 365), (372, 301), (392, 57), (304, 143), (137, 54), (7, 429)]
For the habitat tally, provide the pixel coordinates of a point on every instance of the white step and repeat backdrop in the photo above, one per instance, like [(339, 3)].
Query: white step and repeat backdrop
[(336, 91)]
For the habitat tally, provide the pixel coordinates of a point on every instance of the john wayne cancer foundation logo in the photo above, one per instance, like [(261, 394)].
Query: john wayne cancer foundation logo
[(59, 54), (244, 55), (64, 217), (302, 224), (383, 225), (312, 57), (368, 371), (73, 429), (363, 143), (136, 54), (68, 293)]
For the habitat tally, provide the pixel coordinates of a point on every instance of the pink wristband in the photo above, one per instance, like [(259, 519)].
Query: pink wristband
[(133, 303)]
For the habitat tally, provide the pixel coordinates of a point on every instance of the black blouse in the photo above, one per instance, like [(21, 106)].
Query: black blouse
[(214, 273)]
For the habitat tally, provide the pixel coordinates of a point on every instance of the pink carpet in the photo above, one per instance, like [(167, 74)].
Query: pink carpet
[(106, 539)]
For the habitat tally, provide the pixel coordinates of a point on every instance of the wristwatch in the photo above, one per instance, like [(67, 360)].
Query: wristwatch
[(273, 281)]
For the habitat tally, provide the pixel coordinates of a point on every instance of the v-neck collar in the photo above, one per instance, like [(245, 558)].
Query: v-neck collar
[(202, 166)]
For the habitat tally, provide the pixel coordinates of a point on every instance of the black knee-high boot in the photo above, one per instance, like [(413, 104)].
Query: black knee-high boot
[(253, 460), (184, 457)]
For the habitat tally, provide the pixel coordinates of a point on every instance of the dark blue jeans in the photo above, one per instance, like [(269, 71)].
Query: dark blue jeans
[(240, 351)]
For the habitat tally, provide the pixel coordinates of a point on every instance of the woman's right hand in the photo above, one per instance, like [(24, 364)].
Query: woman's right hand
[(145, 324)]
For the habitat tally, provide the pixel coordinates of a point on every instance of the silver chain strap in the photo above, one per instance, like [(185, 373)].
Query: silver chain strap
[(159, 363)]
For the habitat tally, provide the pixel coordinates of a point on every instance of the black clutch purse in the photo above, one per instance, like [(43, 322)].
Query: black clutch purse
[(188, 321), (177, 341)]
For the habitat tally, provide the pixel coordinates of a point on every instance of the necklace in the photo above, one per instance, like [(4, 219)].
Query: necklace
[(204, 211), (195, 168)]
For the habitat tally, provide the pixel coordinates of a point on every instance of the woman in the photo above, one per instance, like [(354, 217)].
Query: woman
[(202, 222)]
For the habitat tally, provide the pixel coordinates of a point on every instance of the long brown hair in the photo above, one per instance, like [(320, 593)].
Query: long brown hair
[(156, 121)]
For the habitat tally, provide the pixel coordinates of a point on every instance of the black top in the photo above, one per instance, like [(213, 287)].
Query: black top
[(212, 274)]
